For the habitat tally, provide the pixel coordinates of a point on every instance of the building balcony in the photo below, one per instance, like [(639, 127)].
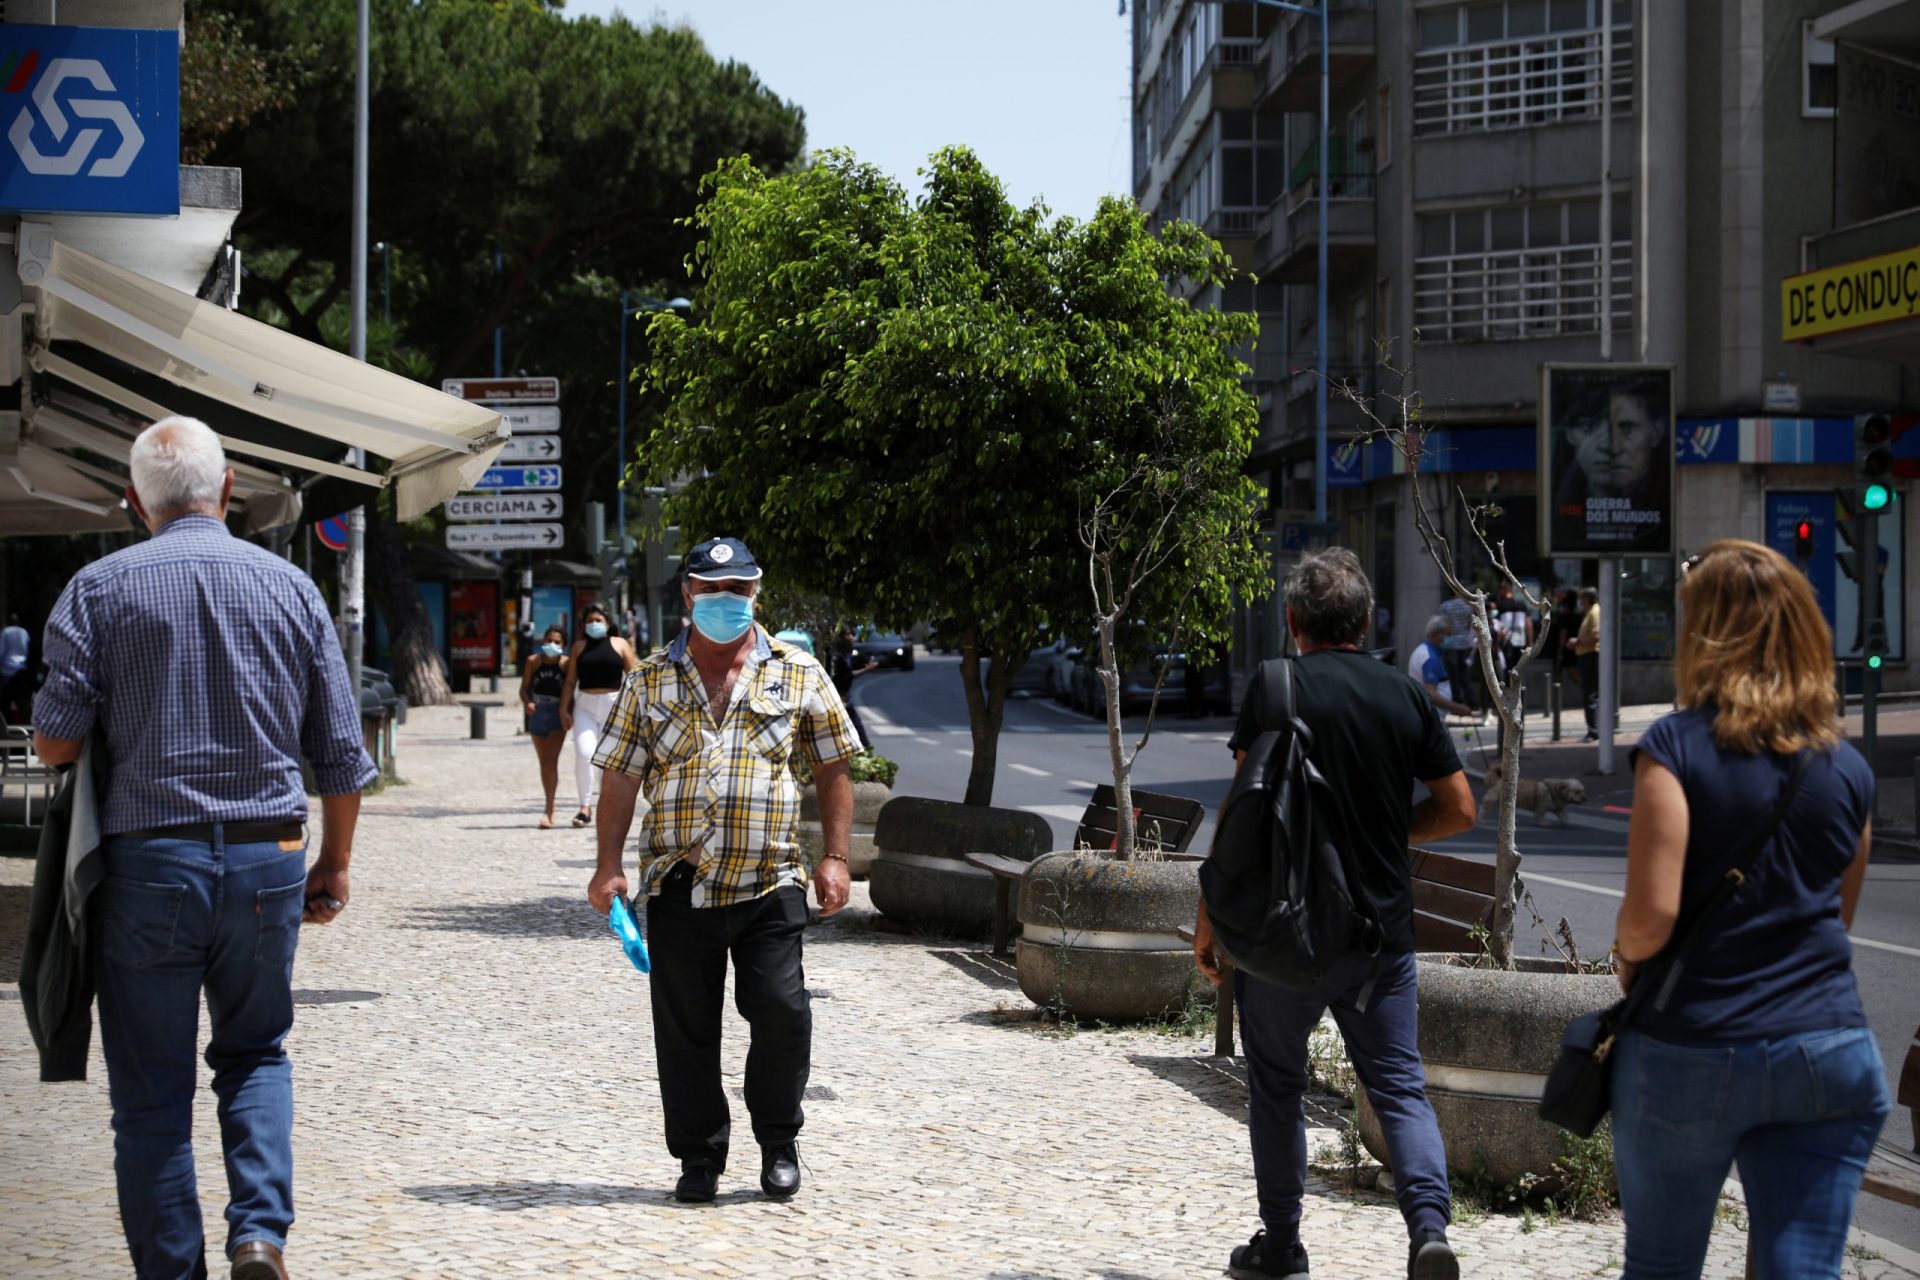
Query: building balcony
[(1288, 242), (1289, 63), (1343, 415)]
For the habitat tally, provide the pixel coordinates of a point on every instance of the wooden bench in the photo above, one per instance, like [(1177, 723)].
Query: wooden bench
[(1893, 1173), (1169, 821), (1450, 897)]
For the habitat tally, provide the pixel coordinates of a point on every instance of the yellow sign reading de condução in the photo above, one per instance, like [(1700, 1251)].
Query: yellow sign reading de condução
[(1850, 296)]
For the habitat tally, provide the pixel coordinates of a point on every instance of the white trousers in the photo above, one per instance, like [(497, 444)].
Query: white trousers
[(590, 711)]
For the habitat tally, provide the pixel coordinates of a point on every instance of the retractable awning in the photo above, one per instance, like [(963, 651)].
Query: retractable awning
[(435, 445), (42, 491)]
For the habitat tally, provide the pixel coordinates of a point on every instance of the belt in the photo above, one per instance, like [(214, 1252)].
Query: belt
[(231, 832)]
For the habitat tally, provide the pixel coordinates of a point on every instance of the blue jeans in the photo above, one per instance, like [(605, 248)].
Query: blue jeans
[(175, 917), (1799, 1115), (1383, 1041)]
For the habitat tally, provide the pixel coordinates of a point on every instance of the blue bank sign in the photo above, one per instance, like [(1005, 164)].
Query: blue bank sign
[(91, 118)]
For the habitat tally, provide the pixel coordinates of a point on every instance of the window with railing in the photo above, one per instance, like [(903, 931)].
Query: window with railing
[(1519, 271), (1348, 176), (1506, 64)]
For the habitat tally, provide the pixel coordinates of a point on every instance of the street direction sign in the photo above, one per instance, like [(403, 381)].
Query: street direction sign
[(531, 419), (532, 449), (504, 537), (536, 390), (506, 506), (519, 478)]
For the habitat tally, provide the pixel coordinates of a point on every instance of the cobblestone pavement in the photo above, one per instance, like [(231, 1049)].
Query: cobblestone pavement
[(474, 1072)]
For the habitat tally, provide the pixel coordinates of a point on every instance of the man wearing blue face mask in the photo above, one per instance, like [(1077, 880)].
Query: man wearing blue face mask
[(706, 731)]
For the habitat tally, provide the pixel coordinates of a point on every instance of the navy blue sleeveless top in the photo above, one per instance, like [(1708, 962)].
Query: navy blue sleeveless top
[(1775, 959)]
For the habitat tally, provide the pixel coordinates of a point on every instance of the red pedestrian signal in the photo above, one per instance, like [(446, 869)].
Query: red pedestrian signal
[(1803, 540)]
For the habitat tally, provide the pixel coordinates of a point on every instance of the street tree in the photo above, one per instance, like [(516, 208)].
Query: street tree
[(904, 403), (524, 168)]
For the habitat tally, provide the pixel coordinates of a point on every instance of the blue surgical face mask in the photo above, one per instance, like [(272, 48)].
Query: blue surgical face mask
[(551, 649), (722, 616), (596, 631)]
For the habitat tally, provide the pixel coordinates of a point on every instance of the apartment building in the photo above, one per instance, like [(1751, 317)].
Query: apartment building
[(1466, 213)]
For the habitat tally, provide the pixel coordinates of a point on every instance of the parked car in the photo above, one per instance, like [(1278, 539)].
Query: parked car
[(1086, 693), (1035, 674), (1058, 663), (888, 648)]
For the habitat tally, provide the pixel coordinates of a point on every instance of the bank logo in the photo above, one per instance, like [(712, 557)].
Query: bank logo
[(78, 144), (1703, 441)]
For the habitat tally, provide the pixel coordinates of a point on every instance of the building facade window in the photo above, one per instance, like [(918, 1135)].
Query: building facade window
[(1514, 272), (1819, 75), (1512, 64)]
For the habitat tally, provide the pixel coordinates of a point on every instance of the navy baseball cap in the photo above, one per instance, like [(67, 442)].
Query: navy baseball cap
[(722, 560)]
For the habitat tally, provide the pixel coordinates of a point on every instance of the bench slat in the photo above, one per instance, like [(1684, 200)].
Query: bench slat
[(999, 864), (1437, 933), (1458, 873), (1893, 1176), (1454, 904)]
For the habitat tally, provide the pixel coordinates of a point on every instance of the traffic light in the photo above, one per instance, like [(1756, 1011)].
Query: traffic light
[(1803, 541), (1873, 460), (1846, 527), (1876, 645)]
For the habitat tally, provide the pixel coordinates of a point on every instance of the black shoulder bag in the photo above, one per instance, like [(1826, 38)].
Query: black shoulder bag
[(1579, 1088)]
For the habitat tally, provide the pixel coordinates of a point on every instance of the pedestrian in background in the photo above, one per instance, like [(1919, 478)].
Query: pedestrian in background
[(1374, 735), (1586, 648), (211, 669), (1566, 625), (706, 732), (543, 678), (596, 665), (1758, 1055), (16, 672), (843, 673), (1460, 650), (1514, 626), (1428, 668)]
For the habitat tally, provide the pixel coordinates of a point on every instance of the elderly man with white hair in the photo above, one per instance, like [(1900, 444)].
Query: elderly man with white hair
[(207, 669)]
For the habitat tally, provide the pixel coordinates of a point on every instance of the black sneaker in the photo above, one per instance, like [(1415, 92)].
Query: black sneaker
[(1430, 1257), (1262, 1257)]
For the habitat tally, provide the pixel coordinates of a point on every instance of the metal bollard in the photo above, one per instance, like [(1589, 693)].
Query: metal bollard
[(1553, 700), (476, 720)]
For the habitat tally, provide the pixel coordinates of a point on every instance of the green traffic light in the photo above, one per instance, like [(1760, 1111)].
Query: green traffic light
[(1875, 497), (1874, 662)]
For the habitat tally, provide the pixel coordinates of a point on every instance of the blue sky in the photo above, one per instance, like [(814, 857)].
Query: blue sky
[(1038, 88)]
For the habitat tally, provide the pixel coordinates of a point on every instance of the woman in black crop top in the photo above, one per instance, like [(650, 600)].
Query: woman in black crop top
[(543, 677), (598, 663)]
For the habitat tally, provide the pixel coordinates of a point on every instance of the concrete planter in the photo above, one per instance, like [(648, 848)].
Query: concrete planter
[(868, 799), (919, 875), (1487, 1040), (1097, 935)]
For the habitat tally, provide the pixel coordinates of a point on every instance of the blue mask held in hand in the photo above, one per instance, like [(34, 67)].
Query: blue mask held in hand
[(552, 650), (596, 631), (722, 617)]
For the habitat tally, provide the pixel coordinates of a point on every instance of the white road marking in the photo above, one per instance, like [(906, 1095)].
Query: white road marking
[(1877, 945), (1090, 786), (1030, 771), (925, 741)]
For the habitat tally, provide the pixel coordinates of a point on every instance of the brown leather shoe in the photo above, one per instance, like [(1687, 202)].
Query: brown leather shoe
[(258, 1260)]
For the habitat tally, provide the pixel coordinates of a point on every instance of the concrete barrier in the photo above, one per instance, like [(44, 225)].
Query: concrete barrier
[(918, 875), (1488, 1037), (1097, 937), (868, 799)]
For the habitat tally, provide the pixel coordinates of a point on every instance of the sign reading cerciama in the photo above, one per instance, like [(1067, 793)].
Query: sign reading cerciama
[(1851, 296), (92, 120)]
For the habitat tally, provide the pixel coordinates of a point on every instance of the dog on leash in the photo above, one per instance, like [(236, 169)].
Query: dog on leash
[(1538, 795)]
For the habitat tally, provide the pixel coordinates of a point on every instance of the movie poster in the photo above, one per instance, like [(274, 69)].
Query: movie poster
[(473, 627), (1606, 457)]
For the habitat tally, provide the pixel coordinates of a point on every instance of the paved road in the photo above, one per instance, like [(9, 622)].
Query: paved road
[(1051, 757)]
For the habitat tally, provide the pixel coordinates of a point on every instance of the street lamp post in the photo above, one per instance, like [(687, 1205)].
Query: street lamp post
[(632, 303)]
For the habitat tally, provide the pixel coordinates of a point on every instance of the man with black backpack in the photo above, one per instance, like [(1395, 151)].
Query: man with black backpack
[(1337, 787)]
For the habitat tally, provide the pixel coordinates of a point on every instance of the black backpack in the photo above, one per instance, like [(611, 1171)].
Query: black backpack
[(1279, 883)]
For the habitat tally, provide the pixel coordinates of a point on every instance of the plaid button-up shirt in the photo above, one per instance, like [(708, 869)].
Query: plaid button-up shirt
[(724, 797), (213, 668)]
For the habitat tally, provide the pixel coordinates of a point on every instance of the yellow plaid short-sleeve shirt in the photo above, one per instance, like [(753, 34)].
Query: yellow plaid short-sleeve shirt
[(724, 797)]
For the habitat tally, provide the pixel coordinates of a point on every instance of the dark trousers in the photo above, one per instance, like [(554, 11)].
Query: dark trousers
[(1590, 689), (690, 947), (1461, 674), (1383, 1043)]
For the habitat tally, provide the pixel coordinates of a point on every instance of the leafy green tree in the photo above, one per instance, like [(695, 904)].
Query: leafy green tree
[(523, 169), (904, 404)]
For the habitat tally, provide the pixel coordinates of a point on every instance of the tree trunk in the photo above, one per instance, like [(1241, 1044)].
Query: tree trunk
[(986, 708), (1123, 824), (418, 671)]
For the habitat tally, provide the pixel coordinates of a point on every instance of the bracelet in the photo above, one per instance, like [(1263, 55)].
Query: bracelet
[(833, 857)]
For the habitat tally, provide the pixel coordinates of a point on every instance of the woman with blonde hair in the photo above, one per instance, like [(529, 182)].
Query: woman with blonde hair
[(1753, 817)]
